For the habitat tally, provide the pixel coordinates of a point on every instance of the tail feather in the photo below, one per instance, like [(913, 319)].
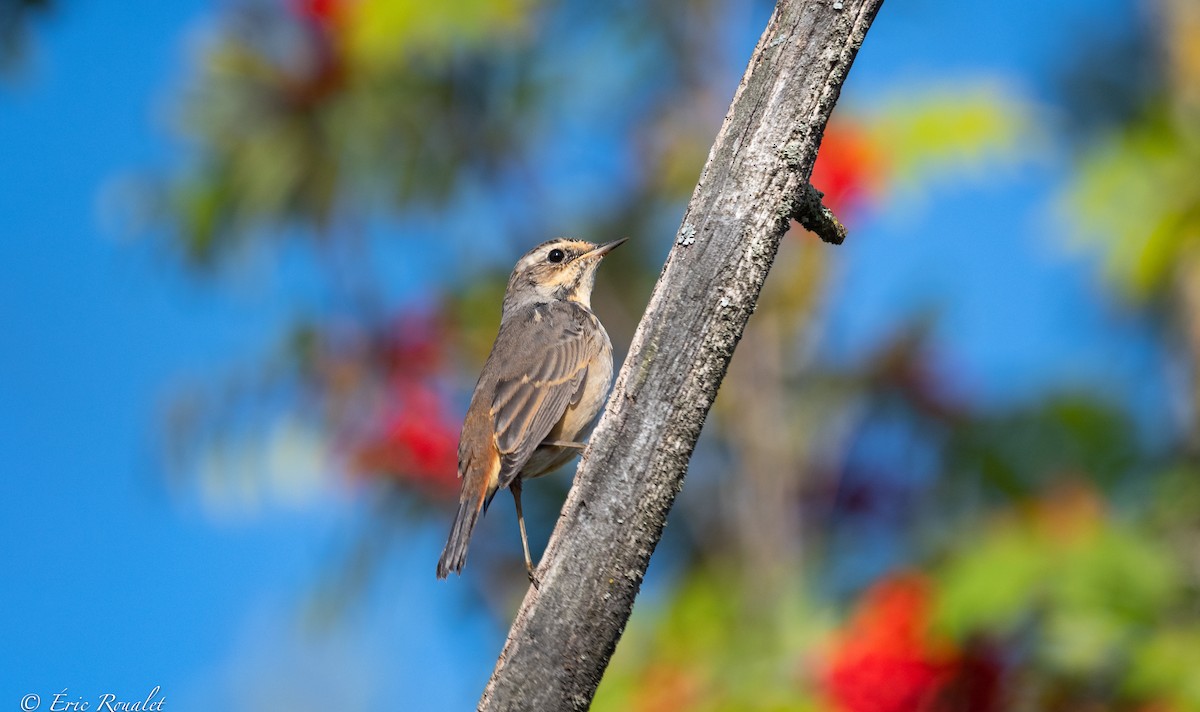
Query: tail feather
[(454, 556)]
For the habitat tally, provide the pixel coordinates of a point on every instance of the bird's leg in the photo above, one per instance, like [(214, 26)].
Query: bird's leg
[(515, 488), (564, 443)]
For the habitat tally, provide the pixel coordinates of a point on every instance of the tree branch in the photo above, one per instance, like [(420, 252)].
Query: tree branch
[(817, 218), (755, 182)]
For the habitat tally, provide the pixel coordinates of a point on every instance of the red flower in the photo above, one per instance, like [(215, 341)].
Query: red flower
[(324, 12), (315, 75), (886, 660), (417, 444), (848, 167)]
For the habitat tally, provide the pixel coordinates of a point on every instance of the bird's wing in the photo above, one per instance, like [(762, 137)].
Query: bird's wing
[(547, 355)]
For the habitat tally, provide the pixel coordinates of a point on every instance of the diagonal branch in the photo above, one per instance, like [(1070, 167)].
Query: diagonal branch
[(755, 182)]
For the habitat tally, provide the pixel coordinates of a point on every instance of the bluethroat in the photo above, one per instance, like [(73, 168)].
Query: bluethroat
[(541, 389)]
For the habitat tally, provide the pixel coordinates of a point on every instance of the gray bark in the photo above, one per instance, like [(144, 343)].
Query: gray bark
[(755, 182)]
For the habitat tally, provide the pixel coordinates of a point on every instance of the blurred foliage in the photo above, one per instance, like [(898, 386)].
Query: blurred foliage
[(714, 645), (383, 32), (1018, 453), (923, 135), (854, 536), (15, 19), (1138, 200), (309, 114), (1134, 198), (950, 128), (1056, 605)]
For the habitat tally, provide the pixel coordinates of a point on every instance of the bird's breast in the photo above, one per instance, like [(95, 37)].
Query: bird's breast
[(577, 422)]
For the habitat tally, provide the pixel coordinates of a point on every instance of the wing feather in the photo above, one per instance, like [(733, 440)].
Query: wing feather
[(545, 374)]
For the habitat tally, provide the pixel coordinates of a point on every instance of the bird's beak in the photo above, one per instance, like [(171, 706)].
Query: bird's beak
[(606, 248)]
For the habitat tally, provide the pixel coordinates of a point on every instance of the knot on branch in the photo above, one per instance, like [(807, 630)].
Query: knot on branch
[(816, 218)]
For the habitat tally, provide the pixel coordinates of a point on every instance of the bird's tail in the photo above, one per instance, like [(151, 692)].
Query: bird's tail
[(454, 556)]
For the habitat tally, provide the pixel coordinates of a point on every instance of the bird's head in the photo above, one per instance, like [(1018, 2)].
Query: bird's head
[(556, 270)]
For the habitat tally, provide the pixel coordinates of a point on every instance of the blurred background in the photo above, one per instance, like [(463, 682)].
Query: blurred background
[(251, 261)]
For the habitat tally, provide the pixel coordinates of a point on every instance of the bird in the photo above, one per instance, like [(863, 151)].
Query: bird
[(541, 388)]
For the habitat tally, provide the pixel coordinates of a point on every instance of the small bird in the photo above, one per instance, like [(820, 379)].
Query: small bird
[(541, 389)]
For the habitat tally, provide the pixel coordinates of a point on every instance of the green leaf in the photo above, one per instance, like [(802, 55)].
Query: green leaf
[(949, 129), (1166, 667), (992, 586), (1137, 202)]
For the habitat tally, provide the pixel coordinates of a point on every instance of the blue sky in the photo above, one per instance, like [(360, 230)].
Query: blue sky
[(115, 583)]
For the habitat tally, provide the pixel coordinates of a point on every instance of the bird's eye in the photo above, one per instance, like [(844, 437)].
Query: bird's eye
[(556, 256)]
